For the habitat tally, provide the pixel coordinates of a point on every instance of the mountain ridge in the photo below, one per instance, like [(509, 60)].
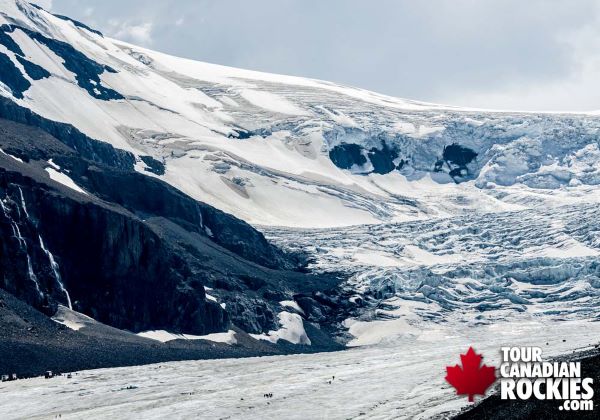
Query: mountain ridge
[(287, 151)]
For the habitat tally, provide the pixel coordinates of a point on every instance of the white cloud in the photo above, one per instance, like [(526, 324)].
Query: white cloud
[(138, 34)]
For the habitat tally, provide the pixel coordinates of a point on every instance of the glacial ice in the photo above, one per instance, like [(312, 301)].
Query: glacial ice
[(476, 269), (402, 379)]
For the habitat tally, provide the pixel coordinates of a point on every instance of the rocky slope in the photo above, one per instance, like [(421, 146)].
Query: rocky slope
[(125, 248), (92, 225), (32, 344)]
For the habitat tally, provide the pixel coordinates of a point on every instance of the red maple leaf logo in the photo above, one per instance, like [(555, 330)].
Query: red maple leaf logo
[(472, 379)]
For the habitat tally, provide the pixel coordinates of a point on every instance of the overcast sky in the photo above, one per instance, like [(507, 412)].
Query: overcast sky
[(507, 54)]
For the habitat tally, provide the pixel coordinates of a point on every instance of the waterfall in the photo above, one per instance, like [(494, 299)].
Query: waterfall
[(23, 243), (32, 276), (14, 226), (55, 269), (17, 233), (23, 202)]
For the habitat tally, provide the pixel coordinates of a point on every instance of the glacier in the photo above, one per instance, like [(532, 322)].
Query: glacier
[(464, 271), (451, 226), (404, 379)]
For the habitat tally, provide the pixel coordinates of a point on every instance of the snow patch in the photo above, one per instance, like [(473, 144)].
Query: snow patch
[(375, 258), (271, 102), (417, 130), (374, 332), (54, 165), (291, 304), (11, 156), (208, 296), (292, 330), (64, 180), (72, 319), (164, 336)]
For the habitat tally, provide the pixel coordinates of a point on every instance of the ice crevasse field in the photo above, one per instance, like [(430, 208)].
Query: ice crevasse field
[(452, 227)]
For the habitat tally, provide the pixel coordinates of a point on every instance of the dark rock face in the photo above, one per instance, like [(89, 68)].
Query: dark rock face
[(33, 70), (124, 186), (252, 314), (150, 196), (9, 43), (87, 71), (32, 344), (79, 24), (452, 151), (311, 308), (114, 267), (242, 239), (457, 158), (383, 159), (153, 165), (135, 253), (347, 155), (241, 134), (458, 155), (87, 147), (25, 273), (11, 76)]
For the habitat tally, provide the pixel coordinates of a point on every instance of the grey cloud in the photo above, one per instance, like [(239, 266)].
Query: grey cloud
[(451, 51)]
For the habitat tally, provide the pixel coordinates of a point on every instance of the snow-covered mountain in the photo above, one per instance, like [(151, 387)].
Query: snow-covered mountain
[(410, 226), (281, 151), (92, 225), (289, 151)]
